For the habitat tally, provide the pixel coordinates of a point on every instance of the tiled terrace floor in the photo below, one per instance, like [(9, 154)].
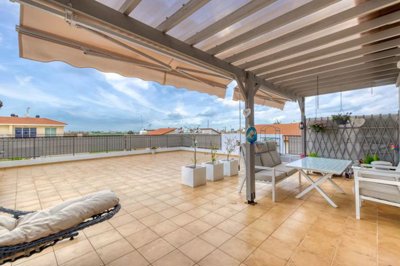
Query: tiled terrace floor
[(164, 223)]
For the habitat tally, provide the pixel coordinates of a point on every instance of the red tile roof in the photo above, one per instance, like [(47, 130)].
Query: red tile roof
[(9, 120), (291, 129), (160, 131)]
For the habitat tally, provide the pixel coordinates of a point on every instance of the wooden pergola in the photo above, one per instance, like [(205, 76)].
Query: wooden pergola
[(276, 50)]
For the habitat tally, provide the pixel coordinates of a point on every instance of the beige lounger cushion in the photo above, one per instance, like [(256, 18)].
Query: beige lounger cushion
[(275, 157), (68, 214)]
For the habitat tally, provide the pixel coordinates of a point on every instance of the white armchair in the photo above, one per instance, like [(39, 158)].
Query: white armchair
[(380, 185)]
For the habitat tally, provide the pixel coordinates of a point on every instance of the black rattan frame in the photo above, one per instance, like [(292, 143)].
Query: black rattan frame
[(11, 253)]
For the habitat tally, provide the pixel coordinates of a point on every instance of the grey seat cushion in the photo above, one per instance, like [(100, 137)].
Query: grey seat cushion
[(266, 159), (275, 157), (380, 191), (271, 145), (283, 168), (258, 160), (266, 176)]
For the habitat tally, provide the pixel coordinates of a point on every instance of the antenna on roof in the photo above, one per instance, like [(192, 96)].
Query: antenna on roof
[(27, 111)]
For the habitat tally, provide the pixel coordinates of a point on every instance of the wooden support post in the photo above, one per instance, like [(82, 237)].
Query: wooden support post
[(248, 90), (302, 106)]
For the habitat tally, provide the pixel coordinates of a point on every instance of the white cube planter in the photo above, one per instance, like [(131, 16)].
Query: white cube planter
[(215, 171), (193, 177), (231, 167)]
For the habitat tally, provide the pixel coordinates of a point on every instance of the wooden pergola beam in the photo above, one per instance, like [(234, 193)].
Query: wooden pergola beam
[(273, 24), (310, 81), (184, 12), (359, 10), (239, 14), (359, 53), (128, 6), (349, 86), (337, 72)]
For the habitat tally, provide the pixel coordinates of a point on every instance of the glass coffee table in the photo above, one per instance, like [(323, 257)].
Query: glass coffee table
[(327, 167)]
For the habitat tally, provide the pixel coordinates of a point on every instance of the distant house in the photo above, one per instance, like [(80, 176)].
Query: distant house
[(30, 127), (288, 135), (290, 129), (161, 131), (209, 131)]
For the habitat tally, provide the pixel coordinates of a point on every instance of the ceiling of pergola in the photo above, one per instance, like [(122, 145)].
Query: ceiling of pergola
[(343, 45), (295, 48)]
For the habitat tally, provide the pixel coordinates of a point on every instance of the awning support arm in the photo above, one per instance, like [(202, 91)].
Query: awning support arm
[(302, 106)]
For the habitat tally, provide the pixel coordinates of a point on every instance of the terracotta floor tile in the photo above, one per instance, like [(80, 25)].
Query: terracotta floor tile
[(231, 227), (133, 258), (252, 236), (73, 251), (213, 218), (183, 219), (237, 248), (276, 247), (170, 212), (197, 227), (114, 250), (130, 228), (175, 258), (179, 237), (152, 219), (89, 259), (261, 258), (105, 238), (215, 236), (196, 249), (156, 249), (142, 237), (346, 257), (218, 258), (44, 260)]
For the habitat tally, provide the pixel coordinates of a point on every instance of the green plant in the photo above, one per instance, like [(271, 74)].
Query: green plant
[(213, 153), (341, 119), (368, 159), (313, 154), (317, 127), (153, 148), (230, 146)]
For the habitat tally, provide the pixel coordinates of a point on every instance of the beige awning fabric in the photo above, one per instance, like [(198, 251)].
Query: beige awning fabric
[(262, 98), (46, 37)]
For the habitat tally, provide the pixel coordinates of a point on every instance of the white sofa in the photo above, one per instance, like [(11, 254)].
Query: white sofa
[(380, 185)]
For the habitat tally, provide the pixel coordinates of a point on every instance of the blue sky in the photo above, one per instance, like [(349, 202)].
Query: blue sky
[(87, 99)]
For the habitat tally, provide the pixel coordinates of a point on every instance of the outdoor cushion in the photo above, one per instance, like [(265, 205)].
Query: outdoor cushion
[(380, 191), (68, 214), (261, 147), (275, 157), (266, 176), (258, 160), (266, 159), (271, 145), (283, 168)]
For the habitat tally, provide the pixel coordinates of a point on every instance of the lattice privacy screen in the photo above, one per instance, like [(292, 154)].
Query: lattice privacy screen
[(361, 136)]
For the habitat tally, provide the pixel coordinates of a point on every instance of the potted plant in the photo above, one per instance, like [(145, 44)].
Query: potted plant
[(313, 154), (317, 127), (231, 165), (368, 159), (214, 169), (341, 119), (193, 175), (153, 150)]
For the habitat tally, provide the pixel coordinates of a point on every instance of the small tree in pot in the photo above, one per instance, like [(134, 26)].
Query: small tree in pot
[(231, 165), (215, 170), (193, 175)]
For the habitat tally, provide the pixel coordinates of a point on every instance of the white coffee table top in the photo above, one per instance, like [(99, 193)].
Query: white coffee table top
[(323, 165)]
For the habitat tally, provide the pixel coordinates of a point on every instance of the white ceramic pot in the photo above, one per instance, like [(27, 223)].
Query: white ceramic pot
[(215, 171), (193, 177), (231, 167)]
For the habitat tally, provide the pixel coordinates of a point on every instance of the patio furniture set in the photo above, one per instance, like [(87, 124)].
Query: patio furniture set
[(377, 182)]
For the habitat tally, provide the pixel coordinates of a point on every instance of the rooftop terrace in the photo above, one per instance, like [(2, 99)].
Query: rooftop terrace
[(164, 223)]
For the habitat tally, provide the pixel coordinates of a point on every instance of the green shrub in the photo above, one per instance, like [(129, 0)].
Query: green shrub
[(313, 154)]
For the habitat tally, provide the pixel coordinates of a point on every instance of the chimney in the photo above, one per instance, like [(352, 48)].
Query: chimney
[(12, 115), (37, 116)]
